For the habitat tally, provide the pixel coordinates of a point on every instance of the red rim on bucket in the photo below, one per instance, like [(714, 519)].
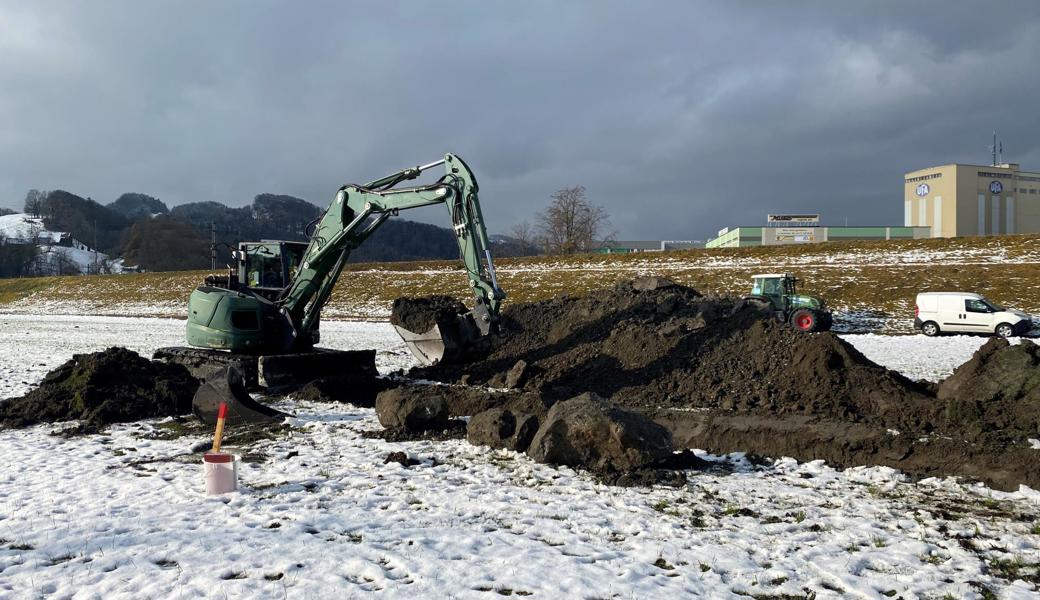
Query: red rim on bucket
[(216, 457)]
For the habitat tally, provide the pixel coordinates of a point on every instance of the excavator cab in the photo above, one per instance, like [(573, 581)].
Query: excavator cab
[(269, 266)]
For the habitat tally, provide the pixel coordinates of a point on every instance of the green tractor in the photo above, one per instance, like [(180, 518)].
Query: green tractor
[(776, 294)]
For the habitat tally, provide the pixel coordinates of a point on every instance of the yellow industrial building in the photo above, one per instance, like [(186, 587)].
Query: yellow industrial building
[(958, 199)]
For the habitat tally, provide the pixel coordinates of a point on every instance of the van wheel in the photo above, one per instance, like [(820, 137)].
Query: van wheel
[(1004, 330), (930, 329)]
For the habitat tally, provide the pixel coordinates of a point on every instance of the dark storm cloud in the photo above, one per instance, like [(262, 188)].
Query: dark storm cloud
[(679, 117)]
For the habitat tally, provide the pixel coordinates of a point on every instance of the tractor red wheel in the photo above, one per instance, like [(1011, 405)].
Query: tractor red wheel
[(804, 320)]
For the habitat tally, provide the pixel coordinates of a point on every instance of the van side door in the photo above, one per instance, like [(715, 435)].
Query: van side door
[(951, 313), (977, 316)]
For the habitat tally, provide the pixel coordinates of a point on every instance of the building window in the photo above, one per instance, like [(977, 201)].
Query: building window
[(982, 214), (994, 223), (923, 177), (1032, 190)]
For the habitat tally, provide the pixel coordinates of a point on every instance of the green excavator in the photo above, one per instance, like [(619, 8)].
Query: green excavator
[(258, 324)]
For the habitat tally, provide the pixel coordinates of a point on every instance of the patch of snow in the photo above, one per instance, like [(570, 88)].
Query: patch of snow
[(22, 228), (323, 516)]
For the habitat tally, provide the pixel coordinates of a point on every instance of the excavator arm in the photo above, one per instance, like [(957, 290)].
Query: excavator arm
[(355, 214)]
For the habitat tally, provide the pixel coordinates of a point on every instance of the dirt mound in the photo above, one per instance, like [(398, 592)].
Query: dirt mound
[(359, 390), (419, 315), (113, 386), (997, 390), (666, 345), (728, 377)]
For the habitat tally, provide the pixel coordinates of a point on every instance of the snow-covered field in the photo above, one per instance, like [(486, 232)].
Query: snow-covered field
[(123, 515)]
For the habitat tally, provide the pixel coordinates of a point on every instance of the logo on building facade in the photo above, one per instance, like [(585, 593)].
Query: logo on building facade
[(995, 187), (922, 190)]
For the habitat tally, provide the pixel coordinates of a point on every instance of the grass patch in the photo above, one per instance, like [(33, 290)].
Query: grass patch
[(876, 277), (57, 560), (1015, 568), (661, 563)]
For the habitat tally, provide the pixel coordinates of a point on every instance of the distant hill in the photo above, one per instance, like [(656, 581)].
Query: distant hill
[(148, 234), (164, 243), (88, 221), (136, 206), (282, 217)]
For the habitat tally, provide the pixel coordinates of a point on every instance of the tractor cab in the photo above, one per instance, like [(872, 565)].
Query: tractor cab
[(777, 288), (268, 267)]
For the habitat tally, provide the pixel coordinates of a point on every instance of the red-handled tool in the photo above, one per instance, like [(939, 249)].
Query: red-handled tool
[(221, 413)]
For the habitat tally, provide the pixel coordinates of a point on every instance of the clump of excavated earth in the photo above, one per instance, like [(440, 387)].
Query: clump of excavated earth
[(113, 386), (716, 375)]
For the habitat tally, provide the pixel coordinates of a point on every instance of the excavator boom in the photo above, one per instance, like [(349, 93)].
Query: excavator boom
[(358, 210)]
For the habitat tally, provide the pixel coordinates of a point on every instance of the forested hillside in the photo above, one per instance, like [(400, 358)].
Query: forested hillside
[(154, 237)]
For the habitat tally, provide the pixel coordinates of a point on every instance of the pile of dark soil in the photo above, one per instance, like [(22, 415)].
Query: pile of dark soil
[(728, 378), (356, 389), (113, 386), (672, 347), (998, 389), (420, 314)]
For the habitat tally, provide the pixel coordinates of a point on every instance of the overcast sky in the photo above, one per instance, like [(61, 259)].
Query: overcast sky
[(678, 117)]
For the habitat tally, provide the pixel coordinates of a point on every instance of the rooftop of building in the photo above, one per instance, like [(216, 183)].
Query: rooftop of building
[(1006, 166)]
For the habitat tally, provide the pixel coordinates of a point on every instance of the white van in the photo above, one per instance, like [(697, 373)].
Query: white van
[(960, 312)]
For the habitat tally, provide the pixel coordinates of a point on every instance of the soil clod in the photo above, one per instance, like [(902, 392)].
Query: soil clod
[(419, 315), (113, 386)]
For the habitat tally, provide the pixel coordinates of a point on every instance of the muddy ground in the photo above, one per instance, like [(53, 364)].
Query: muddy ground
[(727, 378)]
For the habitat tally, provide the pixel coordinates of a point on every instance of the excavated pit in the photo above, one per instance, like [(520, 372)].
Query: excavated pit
[(725, 377), (113, 386)]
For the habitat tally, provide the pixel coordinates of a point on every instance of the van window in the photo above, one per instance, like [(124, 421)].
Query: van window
[(976, 306)]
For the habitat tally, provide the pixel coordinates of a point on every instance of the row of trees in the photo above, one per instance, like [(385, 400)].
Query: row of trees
[(569, 225)]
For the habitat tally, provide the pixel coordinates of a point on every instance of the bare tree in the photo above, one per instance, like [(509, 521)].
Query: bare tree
[(34, 203), (572, 224), (525, 238), (62, 263)]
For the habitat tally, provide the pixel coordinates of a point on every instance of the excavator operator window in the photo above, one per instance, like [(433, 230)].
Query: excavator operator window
[(293, 258), (264, 268)]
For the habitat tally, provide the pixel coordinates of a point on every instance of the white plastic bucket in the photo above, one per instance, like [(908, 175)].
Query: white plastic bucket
[(221, 472)]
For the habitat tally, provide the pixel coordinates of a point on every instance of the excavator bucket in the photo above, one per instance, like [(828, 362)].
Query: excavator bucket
[(226, 385), (446, 341)]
